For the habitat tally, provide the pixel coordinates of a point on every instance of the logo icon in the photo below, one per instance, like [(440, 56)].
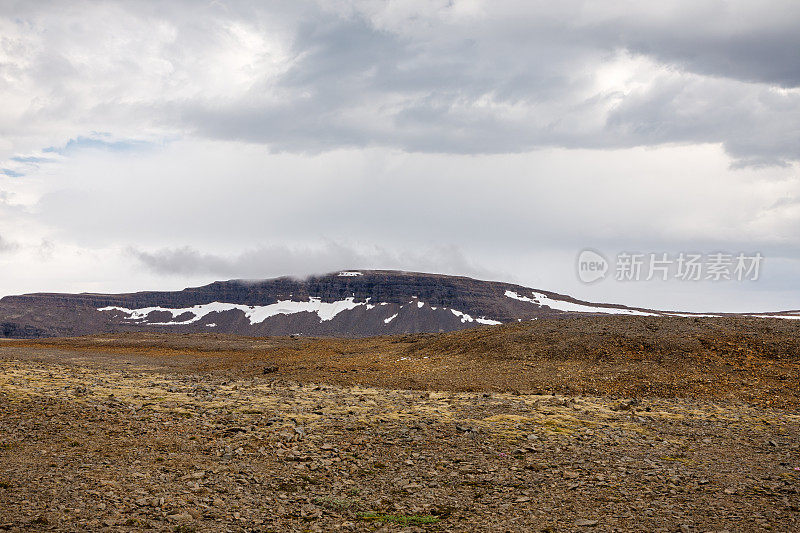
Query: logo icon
[(592, 266)]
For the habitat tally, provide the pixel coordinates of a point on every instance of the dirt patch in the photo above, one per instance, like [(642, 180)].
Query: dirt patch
[(733, 359)]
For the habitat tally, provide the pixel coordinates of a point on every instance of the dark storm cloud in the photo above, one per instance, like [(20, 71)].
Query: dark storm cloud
[(512, 84), (770, 59), (755, 43), (447, 77)]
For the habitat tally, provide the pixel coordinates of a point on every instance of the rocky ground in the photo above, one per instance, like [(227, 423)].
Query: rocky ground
[(102, 435)]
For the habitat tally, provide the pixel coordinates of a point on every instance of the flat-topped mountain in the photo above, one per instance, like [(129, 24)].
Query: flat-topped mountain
[(351, 303)]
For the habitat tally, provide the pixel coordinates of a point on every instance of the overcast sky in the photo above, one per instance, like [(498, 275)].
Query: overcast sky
[(159, 145)]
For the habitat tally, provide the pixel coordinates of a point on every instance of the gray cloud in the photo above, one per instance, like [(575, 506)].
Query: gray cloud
[(493, 89), (272, 261), (757, 125), (309, 77), (786, 202), (7, 246), (737, 40)]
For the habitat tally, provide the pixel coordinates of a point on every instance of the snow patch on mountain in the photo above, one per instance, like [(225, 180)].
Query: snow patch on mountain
[(467, 318), (560, 305), (255, 313), (259, 313), (692, 315)]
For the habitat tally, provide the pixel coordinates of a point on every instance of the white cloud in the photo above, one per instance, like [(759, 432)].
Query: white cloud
[(195, 211)]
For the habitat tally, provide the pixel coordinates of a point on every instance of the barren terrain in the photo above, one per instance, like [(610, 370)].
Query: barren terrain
[(585, 424)]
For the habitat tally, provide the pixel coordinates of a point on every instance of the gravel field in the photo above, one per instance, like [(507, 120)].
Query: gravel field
[(205, 433)]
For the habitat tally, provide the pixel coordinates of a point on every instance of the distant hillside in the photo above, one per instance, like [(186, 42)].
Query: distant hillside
[(347, 303)]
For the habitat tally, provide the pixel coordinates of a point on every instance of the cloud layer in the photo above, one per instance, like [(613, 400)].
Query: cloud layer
[(457, 77), (280, 260)]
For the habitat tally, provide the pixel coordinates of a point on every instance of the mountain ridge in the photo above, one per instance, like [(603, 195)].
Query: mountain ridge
[(348, 303)]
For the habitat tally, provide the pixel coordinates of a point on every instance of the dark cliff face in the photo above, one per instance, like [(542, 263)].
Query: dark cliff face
[(400, 302), (466, 294)]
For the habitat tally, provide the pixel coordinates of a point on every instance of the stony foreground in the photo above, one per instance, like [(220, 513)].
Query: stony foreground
[(93, 448)]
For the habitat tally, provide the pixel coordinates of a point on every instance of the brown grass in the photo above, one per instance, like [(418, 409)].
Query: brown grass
[(752, 360)]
